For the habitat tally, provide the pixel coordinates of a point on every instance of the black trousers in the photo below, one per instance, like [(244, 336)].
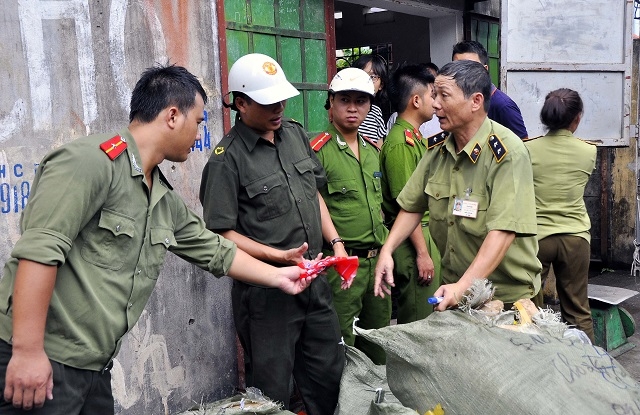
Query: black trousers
[(283, 335), (75, 391)]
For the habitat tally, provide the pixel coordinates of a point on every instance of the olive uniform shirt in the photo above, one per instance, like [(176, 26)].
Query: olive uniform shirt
[(267, 192), (96, 220), (562, 165), (494, 170), (398, 160), (353, 191)]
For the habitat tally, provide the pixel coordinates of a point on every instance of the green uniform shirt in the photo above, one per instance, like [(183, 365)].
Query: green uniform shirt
[(398, 160), (95, 219), (562, 165), (267, 192), (505, 196), (353, 191)]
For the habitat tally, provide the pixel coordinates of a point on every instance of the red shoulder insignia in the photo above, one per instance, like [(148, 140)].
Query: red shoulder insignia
[(320, 140), (114, 146), (417, 133), (408, 137), (370, 141)]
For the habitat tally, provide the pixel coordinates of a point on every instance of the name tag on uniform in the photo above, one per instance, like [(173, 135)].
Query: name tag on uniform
[(465, 208)]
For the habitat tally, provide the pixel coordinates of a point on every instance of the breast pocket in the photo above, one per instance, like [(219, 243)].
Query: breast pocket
[(107, 239), (345, 189), (270, 196), (161, 240), (476, 226), (438, 194), (307, 177)]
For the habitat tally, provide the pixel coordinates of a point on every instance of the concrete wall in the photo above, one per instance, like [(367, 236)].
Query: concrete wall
[(67, 69)]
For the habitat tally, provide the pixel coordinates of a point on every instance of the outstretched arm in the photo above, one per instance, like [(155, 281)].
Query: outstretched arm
[(489, 256), (248, 269)]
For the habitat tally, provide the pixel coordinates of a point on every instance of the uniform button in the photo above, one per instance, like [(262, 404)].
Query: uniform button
[(130, 305), (344, 190), (138, 272), (308, 227), (265, 188), (299, 200), (437, 194), (450, 223), (166, 241), (451, 250), (117, 228)]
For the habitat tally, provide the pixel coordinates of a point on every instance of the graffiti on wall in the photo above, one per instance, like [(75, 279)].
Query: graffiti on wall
[(14, 185)]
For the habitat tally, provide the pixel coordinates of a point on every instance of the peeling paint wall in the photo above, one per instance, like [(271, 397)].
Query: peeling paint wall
[(67, 69)]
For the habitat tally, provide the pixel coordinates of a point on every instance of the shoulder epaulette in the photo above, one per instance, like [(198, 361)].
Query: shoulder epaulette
[(222, 145), (408, 137), (498, 149), (114, 146), (320, 140), (524, 140), (293, 121), (370, 141), (436, 139)]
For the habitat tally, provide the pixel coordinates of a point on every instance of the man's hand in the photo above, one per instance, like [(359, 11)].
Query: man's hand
[(426, 269), (452, 294), (384, 275), (293, 280), (29, 380), (295, 256)]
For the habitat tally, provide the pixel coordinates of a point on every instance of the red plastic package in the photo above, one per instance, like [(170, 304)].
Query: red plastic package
[(346, 267)]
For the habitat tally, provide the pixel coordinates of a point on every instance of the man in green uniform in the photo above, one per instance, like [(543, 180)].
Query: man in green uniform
[(485, 169), (353, 196), (417, 260), (260, 190), (99, 222)]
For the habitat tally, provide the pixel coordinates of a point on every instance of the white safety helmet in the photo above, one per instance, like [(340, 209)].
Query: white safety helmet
[(261, 78), (352, 79)]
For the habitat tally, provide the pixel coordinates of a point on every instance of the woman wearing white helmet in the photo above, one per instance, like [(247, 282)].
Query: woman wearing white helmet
[(354, 198), (260, 190)]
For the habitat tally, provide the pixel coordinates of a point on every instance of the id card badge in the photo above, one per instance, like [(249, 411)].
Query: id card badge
[(465, 208)]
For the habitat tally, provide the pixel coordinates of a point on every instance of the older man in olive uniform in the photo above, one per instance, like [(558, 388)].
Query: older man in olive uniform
[(417, 260), (353, 196), (485, 168), (260, 189)]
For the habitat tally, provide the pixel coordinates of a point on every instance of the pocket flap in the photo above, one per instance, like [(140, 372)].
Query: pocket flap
[(162, 236), (438, 190), (264, 185), (117, 223), (342, 186)]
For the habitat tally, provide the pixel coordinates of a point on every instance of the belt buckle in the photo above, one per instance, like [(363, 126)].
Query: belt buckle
[(372, 253)]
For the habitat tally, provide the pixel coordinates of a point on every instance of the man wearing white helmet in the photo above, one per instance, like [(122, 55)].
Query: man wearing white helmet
[(260, 190), (353, 196)]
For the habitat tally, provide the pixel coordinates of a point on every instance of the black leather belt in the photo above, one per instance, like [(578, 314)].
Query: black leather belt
[(363, 253)]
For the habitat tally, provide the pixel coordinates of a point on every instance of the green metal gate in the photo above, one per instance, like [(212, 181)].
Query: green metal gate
[(294, 32)]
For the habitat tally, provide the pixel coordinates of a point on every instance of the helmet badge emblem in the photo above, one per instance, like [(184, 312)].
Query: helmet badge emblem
[(269, 68)]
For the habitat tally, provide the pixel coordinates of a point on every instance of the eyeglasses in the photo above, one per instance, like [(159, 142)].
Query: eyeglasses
[(374, 77)]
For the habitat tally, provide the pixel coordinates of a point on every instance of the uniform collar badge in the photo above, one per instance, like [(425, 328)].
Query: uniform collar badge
[(475, 153)]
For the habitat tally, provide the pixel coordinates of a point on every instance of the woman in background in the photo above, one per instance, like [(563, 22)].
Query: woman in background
[(562, 164), (374, 126)]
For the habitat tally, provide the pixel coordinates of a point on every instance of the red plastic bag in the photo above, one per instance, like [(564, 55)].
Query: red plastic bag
[(346, 267)]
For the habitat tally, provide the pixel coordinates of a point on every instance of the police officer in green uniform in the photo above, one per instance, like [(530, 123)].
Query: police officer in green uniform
[(353, 196), (260, 190), (484, 170), (417, 260), (100, 220)]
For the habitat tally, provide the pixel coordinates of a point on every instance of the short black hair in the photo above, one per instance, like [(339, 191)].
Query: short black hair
[(471, 77), (560, 108), (405, 82), (471, 46), (162, 86)]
